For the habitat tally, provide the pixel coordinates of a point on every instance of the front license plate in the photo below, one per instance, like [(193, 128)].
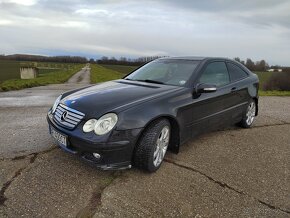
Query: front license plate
[(60, 138)]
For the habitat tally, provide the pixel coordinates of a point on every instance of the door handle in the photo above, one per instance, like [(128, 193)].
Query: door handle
[(234, 89)]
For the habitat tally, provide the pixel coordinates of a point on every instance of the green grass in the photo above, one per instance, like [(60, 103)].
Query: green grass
[(9, 70), (102, 74), (263, 77), (120, 68), (53, 65), (9, 75), (274, 93), (54, 77), (42, 71)]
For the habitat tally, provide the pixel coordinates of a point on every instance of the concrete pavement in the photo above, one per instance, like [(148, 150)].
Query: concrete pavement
[(222, 174), (229, 173), (23, 127), (233, 172)]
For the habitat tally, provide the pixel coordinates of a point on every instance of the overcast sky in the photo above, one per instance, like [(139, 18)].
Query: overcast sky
[(228, 28)]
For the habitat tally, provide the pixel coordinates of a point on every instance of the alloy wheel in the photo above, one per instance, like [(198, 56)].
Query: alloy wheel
[(161, 146), (250, 115)]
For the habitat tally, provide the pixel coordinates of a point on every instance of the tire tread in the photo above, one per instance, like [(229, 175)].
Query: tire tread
[(143, 155)]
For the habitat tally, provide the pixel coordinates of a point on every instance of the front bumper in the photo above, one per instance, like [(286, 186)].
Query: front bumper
[(115, 149)]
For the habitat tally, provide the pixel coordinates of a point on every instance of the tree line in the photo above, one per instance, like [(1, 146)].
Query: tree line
[(125, 61), (79, 59), (261, 65), (40, 58)]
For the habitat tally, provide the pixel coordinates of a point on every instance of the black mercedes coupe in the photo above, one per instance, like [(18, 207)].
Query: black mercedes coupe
[(157, 107)]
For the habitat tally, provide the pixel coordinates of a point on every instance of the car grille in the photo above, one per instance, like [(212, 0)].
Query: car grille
[(67, 117)]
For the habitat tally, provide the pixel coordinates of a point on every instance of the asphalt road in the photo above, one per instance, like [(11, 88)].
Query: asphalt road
[(233, 172)]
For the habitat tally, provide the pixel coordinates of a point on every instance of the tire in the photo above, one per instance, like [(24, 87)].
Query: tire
[(153, 142), (249, 115)]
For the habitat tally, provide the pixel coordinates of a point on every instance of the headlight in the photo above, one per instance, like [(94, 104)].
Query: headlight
[(106, 123), (89, 125), (102, 126), (55, 104)]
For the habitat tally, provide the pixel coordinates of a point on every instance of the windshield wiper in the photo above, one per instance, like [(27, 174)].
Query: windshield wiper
[(145, 80), (150, 81)]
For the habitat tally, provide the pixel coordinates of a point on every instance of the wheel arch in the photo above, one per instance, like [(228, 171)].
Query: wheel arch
[(174, 133)]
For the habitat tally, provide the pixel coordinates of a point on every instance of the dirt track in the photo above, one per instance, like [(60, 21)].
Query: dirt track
[(81, 77)]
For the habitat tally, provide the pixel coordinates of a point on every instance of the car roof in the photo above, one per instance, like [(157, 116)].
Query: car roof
[(193, 58)]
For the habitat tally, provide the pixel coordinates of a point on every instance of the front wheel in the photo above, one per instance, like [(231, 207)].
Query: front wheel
[(249, 115), (152, 146)]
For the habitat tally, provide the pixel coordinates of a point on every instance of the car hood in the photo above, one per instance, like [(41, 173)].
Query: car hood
[(114, 96)]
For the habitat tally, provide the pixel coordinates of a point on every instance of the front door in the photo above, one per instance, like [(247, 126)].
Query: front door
[(208, 110)]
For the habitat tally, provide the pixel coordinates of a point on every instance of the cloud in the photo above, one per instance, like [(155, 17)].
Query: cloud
[(91, 12), (20, 2), (5, 22), (256, 29)]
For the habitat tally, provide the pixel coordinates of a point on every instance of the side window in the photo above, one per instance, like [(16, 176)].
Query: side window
[(236, 72), (215, 73)]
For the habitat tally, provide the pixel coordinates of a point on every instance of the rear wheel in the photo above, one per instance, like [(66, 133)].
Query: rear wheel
[(249, 115), (152, 146)]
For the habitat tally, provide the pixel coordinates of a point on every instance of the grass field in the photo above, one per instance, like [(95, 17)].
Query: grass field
[(263, 77), (108, 72), (54, 77), (42, 71), (53, 73), (274, 93), (120, 68), (102, 74), (9, 70)]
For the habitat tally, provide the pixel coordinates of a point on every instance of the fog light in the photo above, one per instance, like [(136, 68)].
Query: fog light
[(96, 155)]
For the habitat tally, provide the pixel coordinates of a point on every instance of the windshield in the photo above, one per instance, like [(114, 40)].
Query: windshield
[(169, 72)]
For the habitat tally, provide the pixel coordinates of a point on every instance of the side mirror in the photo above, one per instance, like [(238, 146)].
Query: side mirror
[(205, 88)]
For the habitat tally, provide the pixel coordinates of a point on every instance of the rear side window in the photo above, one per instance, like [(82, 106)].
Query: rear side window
[(236, 73), (215, 73)]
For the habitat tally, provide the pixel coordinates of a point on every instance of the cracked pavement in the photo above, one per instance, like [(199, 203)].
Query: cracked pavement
[(232, 172)]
